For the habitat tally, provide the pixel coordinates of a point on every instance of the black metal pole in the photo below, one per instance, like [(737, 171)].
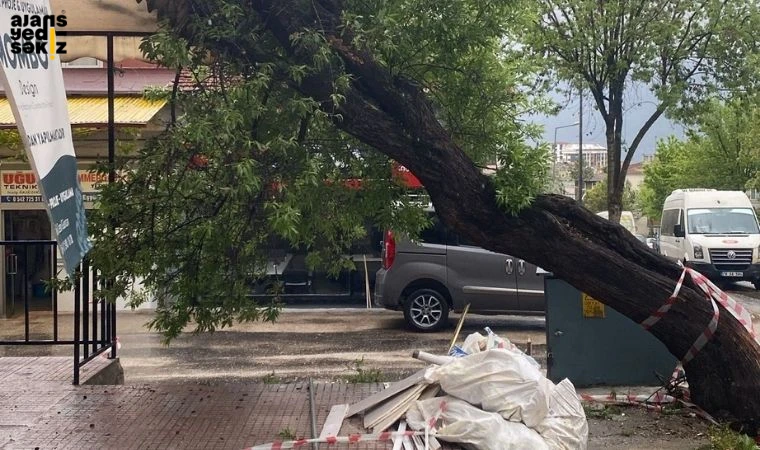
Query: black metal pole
[(104, 334), (77, 312), (86, 299), (84, 294), (111, 160), (54, 291), (25, 287)]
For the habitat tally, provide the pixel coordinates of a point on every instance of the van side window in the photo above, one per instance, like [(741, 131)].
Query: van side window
[(669, 220)]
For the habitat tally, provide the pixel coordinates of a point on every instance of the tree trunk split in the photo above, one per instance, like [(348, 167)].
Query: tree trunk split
[(591, 254)]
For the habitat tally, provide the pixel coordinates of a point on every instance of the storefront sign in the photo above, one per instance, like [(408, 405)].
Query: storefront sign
[(20, 186), (34, 86)]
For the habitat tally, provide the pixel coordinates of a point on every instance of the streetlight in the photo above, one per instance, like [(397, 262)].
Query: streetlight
[(554, 150)]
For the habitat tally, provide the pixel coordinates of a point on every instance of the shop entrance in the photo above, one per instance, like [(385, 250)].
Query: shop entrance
[(28, 262)]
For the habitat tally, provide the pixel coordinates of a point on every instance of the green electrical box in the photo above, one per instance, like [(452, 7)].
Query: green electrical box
[(594, 345)]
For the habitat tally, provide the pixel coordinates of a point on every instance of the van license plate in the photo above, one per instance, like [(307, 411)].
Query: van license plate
[(732, 274)]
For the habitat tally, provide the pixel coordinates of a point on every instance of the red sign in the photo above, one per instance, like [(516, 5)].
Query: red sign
[(406, 177)]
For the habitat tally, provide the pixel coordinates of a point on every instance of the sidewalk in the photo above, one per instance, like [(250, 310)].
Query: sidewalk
[(166, 416), (201, 392)]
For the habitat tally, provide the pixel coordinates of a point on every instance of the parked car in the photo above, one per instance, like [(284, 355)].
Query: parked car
[(714, 232), (653, 243), (442, 273)]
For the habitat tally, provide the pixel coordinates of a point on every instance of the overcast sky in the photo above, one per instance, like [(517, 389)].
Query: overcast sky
[(639, 106)]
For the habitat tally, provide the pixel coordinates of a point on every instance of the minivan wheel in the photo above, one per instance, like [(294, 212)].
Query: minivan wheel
[(757, 284), (426, 310)]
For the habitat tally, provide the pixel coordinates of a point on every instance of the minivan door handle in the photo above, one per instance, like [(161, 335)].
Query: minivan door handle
[(510, 267), (521, 267)]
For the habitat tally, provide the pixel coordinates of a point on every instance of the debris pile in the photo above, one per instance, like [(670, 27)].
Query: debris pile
[(486, 394)]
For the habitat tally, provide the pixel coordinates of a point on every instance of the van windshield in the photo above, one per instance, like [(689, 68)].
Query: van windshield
[(722, 221)]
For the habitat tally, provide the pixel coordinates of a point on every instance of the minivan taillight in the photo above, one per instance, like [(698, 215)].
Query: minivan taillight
[(389, 250)]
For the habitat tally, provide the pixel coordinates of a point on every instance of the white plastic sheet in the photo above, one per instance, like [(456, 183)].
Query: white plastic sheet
[(473, 428), (498, 381), (565, 427), (476, 343)]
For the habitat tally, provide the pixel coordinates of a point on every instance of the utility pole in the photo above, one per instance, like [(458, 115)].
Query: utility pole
[(555, 151), (580, 144)]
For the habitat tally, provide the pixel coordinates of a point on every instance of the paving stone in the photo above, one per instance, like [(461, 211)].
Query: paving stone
[(39, 409)]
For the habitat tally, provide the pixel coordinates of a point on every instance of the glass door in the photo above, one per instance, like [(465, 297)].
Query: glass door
[(27, 264)]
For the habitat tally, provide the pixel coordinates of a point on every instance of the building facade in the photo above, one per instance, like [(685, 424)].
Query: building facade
[(594, 155), (28, 262)]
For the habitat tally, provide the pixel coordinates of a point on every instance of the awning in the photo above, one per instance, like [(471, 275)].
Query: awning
[(92, 112)]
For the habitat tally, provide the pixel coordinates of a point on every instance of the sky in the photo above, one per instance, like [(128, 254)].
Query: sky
[(640, 104)]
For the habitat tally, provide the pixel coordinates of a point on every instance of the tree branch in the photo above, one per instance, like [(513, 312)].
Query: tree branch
[(637, 140)]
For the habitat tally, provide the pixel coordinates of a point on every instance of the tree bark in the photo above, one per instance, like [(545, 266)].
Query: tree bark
[(614, 128), (614, 194), (598, 257)]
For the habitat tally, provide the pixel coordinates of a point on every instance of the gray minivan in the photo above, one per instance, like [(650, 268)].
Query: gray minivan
[(443, 273)]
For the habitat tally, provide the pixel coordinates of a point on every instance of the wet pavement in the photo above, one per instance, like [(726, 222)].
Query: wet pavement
[(50, 415), (226, 389), (325, 344)]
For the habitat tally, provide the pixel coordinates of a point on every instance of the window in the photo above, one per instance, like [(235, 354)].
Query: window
[(442, 235), (722, 221), (670, 217), (435, 234)]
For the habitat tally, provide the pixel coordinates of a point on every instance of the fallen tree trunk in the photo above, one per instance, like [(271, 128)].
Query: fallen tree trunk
[(595, 256)]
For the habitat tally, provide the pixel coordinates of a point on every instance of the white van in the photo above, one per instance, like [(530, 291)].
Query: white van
[(714, 232), (626, 220)]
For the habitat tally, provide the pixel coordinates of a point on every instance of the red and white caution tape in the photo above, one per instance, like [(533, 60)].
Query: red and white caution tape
[(332, 440), (657, 315), (356, 438), (713, 294), (658, 398), (706, 335), (739, 312)]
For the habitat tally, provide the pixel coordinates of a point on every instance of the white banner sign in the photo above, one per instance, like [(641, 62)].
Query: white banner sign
[(31, 74)]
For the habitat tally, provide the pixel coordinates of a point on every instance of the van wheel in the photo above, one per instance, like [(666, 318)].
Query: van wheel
[(757, 284), (426, 310)]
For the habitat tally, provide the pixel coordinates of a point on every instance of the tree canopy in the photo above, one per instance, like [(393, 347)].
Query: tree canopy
[(273, 161), (596, 198), (681, 51), (346, 80), (720, 152)]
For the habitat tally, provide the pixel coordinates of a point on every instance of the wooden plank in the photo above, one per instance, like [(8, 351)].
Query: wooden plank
[(397, 412), (458, 329), (430, 392), (385, 394), (380, 413), (399, 440), (334, 421)]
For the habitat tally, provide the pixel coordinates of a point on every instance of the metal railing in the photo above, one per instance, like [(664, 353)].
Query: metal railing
[(94, 327)]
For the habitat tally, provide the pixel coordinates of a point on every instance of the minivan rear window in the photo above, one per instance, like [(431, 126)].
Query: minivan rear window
[(435, 234)]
